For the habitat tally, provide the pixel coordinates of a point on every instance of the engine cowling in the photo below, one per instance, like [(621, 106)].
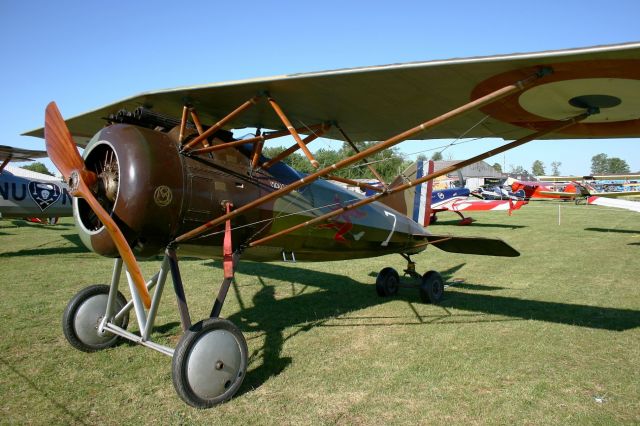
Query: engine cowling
[(152, 192)]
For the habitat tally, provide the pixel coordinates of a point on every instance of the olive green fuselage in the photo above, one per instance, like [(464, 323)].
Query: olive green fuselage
[(160, 194)]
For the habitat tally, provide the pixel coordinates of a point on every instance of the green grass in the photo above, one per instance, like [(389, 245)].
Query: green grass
[(528, 340)]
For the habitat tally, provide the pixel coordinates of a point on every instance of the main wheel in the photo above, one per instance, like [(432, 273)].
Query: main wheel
[(432, 287), (83, 316), (209, 363), (387, 282)]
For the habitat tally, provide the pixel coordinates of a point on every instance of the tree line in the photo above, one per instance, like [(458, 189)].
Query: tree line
[(601, 164)]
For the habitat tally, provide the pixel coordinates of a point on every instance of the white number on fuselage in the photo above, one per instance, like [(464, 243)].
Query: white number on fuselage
[(393, 228)]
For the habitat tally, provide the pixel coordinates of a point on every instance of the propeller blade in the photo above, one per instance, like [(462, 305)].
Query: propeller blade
[(64, 154), (60, 146)]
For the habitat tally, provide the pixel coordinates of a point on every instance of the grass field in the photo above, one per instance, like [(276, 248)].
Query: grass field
[(551, 337)]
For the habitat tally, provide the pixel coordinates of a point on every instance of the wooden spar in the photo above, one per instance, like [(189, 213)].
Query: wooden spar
[(478, 103), (183, 123), (224, 146), (404, 187), (293, 132), (211, 130), (196, 121), (364, 160), (361, 185), (287, 152)]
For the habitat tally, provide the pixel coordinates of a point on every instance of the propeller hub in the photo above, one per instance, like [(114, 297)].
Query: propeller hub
[(74, 181)]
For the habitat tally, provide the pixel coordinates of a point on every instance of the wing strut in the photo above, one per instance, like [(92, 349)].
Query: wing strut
[(559, 126), (287, 152), (470, 106), (293, 132), (211, 130)]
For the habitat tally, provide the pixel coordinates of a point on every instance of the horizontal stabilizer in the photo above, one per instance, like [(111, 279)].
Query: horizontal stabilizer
[(473, 245)]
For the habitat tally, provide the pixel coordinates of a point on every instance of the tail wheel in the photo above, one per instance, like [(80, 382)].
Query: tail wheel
[(83, 315), (432, 287), (209, 363), (387, 282)]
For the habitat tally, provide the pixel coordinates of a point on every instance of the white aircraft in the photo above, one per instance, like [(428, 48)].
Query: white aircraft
[(28, 194)]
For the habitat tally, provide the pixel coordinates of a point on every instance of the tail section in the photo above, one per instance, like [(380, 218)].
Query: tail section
[(414, 203)]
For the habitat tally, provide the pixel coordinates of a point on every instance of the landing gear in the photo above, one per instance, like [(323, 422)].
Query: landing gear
[(209, 363), (432, 287), (431, 284), (387, 282), (84, 313)]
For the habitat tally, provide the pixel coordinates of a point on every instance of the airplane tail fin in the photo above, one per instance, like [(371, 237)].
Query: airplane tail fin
[(416, 202)]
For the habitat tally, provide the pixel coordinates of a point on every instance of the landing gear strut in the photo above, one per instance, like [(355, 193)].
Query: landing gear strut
[(431, 284)]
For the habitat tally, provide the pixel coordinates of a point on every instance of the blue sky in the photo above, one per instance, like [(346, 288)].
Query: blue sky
[(85, 54)]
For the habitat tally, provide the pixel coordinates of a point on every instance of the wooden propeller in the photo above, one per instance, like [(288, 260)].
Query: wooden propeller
[(64, 154)]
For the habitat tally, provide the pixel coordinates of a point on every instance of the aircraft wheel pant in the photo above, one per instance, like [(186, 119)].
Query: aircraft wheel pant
[(209, 363), (432, 287), (83, 315), (387, 282)]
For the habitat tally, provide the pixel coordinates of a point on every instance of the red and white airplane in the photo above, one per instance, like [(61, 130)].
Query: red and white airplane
[(424, 203)]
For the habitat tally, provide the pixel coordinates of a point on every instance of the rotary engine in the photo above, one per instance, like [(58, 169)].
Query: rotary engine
[(153, 192)]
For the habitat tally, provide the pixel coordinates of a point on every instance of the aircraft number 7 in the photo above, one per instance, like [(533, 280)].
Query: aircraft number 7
[(393, 228)]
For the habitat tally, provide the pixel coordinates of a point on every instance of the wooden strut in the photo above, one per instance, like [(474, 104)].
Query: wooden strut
[(183, 123), (198, 124), (478, 103), (287, 152), (258, 139), (293, 132), (5, 162), (257, 150), (405, 186), (213, 129)]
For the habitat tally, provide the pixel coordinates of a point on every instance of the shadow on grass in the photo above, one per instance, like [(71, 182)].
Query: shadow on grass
[(78, 247), (269, 316), (477, 287), (479, 224), (48, 395), (619, 231)]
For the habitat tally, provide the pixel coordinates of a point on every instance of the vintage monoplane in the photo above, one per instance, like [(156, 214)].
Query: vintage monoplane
[(155, 178), (28, 194)]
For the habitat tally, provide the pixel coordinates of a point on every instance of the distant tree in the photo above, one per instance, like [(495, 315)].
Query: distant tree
[(437, 156), (537, 168), (516, 170), (388, 163), (497, 167), (422, 157), (555, 167), (602, 164), (38, 168), (599, 164), (617, 165)]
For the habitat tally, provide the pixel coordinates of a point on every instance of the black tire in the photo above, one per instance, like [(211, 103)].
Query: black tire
[(209, 363), (387, 282), (83, 315), (432, 287)]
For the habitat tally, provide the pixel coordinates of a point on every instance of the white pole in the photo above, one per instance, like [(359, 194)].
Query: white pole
[(559, 215)]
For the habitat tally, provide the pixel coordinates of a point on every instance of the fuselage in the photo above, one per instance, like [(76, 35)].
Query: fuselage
[(160, 194), (28, 194)]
